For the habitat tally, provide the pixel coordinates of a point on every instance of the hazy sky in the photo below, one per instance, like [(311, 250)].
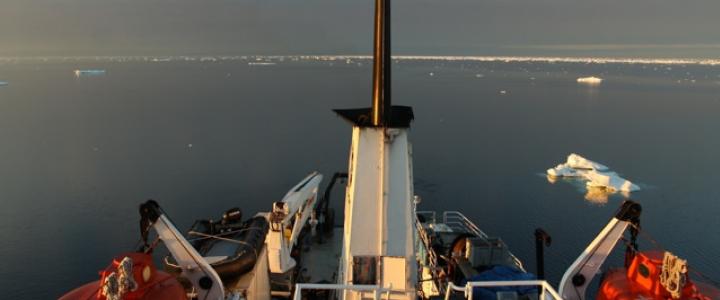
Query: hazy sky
[(677, 28)]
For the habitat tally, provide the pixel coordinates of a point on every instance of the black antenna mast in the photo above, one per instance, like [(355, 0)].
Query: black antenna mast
[(381, 93), (382, 113)]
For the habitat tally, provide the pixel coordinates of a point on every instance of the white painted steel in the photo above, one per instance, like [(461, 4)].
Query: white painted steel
[(193, 265), (379, 206), (589, 262), (393, 270), (377, 291), (299, 202), (254, 285), (547, 291), (302, 202)]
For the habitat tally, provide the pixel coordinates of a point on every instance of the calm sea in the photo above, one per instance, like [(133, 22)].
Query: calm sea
[(78, 154)]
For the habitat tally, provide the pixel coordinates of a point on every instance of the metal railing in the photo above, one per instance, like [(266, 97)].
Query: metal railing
[(378, 292), (453, 219), (546, 291), (459, 222), (432, 257)]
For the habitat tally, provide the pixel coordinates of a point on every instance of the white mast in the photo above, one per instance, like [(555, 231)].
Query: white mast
[(378, 241)]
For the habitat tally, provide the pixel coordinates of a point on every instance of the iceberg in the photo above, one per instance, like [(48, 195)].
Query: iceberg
[(578, 162), (253, 63), (574, 165), (611, 181), (592, 80), (563, 170), (596, 175)]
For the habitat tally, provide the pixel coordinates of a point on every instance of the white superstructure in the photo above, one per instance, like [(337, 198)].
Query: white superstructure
[(378, 235)]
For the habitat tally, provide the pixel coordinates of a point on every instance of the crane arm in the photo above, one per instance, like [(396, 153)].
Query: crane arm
[(194, 267), (287, 221), (577, 278)]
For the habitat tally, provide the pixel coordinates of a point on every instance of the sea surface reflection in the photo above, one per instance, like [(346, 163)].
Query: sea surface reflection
[(80, 153)]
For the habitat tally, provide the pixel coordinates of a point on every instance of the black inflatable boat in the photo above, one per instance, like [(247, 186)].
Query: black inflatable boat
[(231, 246)]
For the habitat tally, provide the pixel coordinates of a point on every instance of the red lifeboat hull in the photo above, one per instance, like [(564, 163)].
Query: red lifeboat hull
[(151, 283)]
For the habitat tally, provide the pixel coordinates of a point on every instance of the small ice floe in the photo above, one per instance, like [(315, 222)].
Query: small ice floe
[(89, 72), (611, 181), (503, 92), (479, 75), (562, 170), (261, 63), (578, 162), (574, 166), (431, 74), (3, 83), (592, 80), (596, 175)]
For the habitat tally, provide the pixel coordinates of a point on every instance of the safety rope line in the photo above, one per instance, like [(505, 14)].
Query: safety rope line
[(225, 239), (153, 245), (207, 236)]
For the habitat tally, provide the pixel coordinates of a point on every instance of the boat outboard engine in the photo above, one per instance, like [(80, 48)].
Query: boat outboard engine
[(233, 215), (231, 220)]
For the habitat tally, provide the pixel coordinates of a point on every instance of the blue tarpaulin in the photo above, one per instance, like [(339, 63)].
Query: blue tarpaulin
[(501, 273)]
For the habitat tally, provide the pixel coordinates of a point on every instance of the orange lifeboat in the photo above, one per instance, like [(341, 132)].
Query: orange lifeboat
[(131, 276), (642, 280)]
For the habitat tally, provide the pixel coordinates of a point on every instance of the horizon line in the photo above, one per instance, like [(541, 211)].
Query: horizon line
[(480, 58)]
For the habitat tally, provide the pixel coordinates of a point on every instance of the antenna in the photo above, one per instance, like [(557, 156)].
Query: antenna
[(382, 113), (382, 63)]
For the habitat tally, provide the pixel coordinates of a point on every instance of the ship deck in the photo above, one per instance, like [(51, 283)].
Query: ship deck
[(321, 258)]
